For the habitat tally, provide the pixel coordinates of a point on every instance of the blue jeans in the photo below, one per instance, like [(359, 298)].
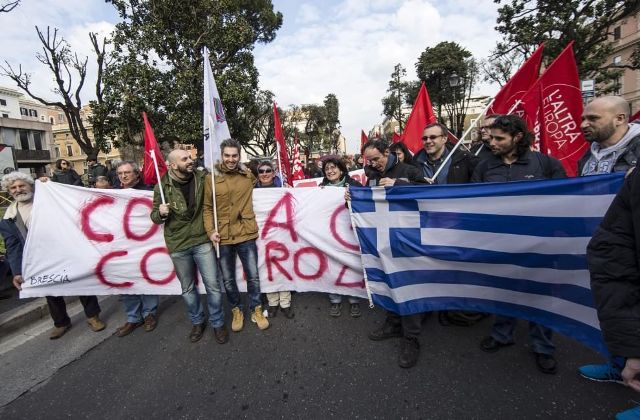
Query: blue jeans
[(138, 307), (185, 263), (540, 337), (248, 254)]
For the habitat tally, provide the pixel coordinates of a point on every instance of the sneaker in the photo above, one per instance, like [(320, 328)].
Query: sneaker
[(334, 310), (238, 319), (605, 372), (258, 317), (96, 324), (150, 323), (127, 328), (546, 363), (409, 352), (632, 414), (272, 311), (221, 335), (288, 312), (58, 332), (354, 311)]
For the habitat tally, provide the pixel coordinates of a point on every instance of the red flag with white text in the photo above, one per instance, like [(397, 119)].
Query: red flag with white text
[(421, 115), (561, 111), (151, 154), (518, 84), (283, 157)]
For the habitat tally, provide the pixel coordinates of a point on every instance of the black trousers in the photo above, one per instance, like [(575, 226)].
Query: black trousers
[(58, 309), (410, 324)]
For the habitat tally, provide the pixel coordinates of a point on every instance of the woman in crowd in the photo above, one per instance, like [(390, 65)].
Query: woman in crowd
[(402, 153), (336, 175), (267, 179)]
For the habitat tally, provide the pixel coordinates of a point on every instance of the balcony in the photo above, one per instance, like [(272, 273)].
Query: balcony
[(33, 155)]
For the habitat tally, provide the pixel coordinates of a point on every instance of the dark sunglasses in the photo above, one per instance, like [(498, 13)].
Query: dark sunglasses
[(265, 171), (425, 138)]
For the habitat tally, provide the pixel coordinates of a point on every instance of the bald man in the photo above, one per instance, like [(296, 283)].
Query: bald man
[(188, 242), (615, 144)]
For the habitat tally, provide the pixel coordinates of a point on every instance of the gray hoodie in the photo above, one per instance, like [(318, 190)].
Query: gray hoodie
[(602, 161)]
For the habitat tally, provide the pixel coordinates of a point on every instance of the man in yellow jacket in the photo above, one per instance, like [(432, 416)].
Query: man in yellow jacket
[(236, 232)]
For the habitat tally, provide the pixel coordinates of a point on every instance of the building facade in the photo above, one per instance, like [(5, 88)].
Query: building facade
[(625, 38)]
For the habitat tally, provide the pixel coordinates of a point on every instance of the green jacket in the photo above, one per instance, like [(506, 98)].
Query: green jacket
[(181, 232)]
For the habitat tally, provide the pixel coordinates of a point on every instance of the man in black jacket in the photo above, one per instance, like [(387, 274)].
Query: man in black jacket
[(513, 160), (457, 170), (385, 170), (94, 170), (613, 254)]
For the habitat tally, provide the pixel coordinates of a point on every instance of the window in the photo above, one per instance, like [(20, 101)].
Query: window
[(617, 60), (3, 102), (5, 115), (57, 152), (51, 120), (61, 117), (24, 111), (617, 33), (69, 150), (33, 113), (24, 140), (37, 140)]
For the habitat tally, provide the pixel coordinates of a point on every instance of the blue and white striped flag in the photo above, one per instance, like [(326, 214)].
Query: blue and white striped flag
[(516, 249)]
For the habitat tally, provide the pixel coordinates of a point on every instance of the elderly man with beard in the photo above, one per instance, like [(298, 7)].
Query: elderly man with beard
[(142, 310), (188, 243), (615, 144), (13, 228)]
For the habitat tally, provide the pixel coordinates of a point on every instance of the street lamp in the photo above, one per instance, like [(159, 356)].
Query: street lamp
[(454, 79), (454, 82)]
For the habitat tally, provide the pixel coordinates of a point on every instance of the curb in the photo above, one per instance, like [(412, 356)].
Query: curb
[(23, 315)]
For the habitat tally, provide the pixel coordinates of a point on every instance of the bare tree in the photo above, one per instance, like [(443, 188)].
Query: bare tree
[(9, 6), (57, 56)]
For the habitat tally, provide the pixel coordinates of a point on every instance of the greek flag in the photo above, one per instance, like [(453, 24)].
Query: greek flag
[(516, 249)]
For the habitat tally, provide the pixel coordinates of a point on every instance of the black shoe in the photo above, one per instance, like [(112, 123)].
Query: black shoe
[(221, 335), (196, 332), (288, 312), (385, 332), (489, 345), (272, 311), (334, 310), (409, 352), (354, 311), (546, 363)]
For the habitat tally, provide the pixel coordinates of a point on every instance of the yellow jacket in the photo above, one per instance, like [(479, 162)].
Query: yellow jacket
[(234, 202)]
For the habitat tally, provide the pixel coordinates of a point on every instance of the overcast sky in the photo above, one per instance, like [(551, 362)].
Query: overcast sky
[(346, 47)]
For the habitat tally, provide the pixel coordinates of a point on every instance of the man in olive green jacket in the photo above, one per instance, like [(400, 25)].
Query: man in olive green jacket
[(188, 242), (236, 231)]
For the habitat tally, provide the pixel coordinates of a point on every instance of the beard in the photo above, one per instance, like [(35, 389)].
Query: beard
[(21, 198), (601, 134)]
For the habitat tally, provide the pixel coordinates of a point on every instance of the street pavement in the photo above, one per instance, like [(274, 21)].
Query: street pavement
[(312, 366)]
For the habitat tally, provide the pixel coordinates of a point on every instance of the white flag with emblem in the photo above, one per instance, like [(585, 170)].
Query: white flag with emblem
[(215, 127)]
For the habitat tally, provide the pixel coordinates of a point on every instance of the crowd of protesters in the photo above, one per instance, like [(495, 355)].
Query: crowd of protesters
[(503, 152)]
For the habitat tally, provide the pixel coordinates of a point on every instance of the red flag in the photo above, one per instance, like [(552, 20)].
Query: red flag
[(396, 137), (518, 85), (298, 172), (421, 115), (533, 113), (634, 117), (151, 154), (285, 166), (561, 111), (363, 138)]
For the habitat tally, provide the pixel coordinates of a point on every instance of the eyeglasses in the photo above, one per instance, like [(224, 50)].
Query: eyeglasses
[(265, 171), (63, 163), (425, 138)]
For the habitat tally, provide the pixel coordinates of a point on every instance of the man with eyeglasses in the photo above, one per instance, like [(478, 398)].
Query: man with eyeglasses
[(456, 170), (384, 170), (142, 310), (482, 149), (64, 174)]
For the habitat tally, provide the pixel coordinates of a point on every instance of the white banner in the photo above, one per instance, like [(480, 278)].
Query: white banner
[(102, 242), (358, 175)]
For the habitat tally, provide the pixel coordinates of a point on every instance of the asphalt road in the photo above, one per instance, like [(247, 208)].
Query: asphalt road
[(310, 367)]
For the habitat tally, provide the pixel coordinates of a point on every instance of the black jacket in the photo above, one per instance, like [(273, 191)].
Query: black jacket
[(485, 151), (461, 167), (624, 161), (96, 171), (613, 255), (530, 166), (14, 244), (403, 173), (69, 177), (348, 181)]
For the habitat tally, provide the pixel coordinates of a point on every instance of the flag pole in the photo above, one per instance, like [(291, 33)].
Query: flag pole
[(155, 165), (364, 271), (279, 163), (513, 107), (213, 183), (462, 139)]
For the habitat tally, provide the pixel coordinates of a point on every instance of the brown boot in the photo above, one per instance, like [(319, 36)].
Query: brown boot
[(58, 332), (150, 323), (127, 328), (96, 324)]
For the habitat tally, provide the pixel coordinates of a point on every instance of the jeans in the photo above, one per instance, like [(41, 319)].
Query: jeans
[(248, 254), (540, 337), (185, 263), (138, 307), (333, 298)]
